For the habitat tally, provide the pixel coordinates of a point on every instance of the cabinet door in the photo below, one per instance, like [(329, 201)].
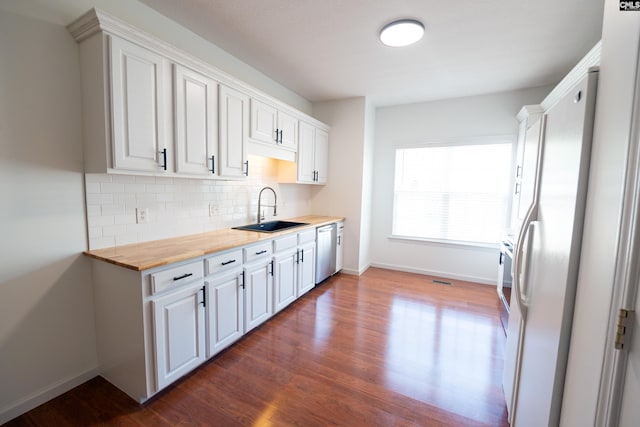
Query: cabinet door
[(263, 122), (340, 247), (307, 268), (137, 107), (234, 132), (288, 128), (196, 119), (306, 155), (225, 300), (258, 288), (179, 333), (321, 156), (284, 280)]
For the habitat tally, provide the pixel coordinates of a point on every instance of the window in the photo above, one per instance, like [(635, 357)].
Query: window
[(453, 192)]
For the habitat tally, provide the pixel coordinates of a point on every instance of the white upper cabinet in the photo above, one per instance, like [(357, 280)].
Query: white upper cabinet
[(137, 108), (288, 128), (312, 157), (196, 123), (151, 109), (234, 131), (271, 126)]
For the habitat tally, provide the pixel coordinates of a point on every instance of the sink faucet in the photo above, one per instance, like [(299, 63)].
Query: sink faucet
[(274, 206)]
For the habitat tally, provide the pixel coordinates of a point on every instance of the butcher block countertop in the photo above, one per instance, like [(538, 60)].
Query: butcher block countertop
[(146, 255)]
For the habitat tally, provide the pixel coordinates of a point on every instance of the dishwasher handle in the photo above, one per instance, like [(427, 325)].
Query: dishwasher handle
[(326, 228)]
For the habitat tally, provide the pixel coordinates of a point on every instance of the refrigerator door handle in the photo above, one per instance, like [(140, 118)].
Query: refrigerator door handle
[(524, 267), (517, 260)]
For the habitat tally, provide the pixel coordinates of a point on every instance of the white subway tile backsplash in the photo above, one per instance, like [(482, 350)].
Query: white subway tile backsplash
[(110, 187), (180, 206)]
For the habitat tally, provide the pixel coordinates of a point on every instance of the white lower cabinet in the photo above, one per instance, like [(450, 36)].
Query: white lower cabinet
[(258, 293), (179, 332), (340, 247), (306, 267), (170, 319), (284, 279), (225, 310)]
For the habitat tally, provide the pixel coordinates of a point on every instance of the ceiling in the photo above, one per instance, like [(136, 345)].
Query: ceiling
[(329, 49)]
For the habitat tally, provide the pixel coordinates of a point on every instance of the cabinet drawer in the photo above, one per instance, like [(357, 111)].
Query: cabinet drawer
[(286, 242), (176, 276), (223, 262), (307, 236), (255, 252)]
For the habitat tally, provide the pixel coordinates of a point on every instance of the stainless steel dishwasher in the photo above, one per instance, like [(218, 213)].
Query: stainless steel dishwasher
[(326, 254)]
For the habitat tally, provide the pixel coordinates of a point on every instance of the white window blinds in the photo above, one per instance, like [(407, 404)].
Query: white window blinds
[(453, 192)]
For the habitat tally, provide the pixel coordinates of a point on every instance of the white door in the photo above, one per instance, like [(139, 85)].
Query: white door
[(225, 308), (306, 152), (234, 132), (258, 291), (288, 128), (137, 108), (284, 279), (179, 333), (306, 268), (322, 156), (196, 119)]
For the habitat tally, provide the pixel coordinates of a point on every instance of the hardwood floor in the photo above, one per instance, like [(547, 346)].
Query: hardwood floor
[(383, 349)]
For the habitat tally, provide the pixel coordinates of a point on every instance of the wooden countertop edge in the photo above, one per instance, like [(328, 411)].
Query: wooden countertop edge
[(244, 238)]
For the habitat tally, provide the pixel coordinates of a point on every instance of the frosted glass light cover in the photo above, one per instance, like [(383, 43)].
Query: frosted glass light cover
[(402, 33)]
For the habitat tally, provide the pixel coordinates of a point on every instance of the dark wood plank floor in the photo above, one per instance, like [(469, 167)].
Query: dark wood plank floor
[(383, 349)]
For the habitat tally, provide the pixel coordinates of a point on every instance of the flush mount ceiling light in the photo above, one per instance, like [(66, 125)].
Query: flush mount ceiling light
[(402, 32)]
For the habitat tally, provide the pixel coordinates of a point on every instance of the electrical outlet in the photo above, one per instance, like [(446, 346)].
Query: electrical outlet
[(213, 209), (142, 215)]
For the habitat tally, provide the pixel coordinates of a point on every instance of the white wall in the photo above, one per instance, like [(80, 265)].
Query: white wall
[(417, 124), (602, 218), (344, 192), (367, 185), (47, 337)]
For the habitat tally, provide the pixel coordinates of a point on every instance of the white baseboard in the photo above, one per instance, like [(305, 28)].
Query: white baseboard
[(44, 395), (444, 274), (352, 272)]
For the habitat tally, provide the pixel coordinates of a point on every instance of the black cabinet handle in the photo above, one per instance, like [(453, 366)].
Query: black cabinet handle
[(271, 272), (184, 276), (297, 257), (246, 165), (242, 283), (213, 165), (339, 240), (231, 261), (264, 251), (164, 159), (302, 257), (280, 136), (204, 297)]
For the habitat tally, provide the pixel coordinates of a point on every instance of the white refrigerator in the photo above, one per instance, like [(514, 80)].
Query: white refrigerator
[(546, 260)]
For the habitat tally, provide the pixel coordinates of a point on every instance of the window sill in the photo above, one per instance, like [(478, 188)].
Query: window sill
[(446, 242)]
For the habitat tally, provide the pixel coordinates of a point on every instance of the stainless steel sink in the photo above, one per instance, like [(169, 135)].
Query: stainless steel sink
[(271, 226)]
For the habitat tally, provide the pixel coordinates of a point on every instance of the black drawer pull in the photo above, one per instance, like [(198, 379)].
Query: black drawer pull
[(231, 261), (264, 251), (184, 276)]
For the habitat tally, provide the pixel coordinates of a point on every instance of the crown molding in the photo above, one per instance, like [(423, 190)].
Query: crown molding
[(590, 62), (97, 21)]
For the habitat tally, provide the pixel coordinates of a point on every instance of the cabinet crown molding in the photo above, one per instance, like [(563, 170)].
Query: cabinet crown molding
[(589, 62), (96, 20)]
